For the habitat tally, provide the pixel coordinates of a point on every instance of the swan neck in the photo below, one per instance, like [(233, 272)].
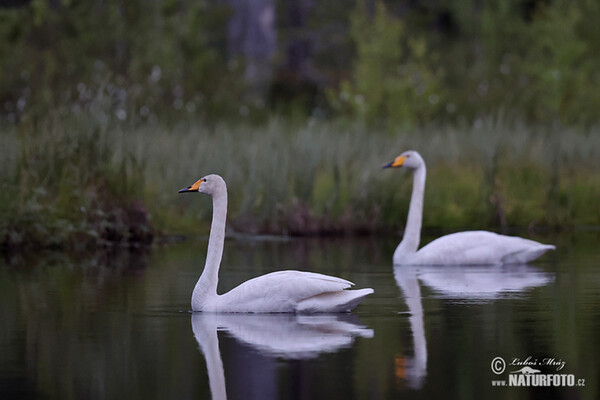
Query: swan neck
[(207, 284), (412, 232)]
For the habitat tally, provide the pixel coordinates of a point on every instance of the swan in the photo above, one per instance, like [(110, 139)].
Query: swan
[(471, 247), (277, 292)]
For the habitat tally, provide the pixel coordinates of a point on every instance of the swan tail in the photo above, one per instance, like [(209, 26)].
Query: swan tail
[(333, 302), (527, 255)]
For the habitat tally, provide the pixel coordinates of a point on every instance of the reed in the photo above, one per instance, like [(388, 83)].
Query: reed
[(70, 182), (81, 180), (327, 177)]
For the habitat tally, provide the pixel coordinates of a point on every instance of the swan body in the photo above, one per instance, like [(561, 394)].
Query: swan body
[(460, 248), (474, 247), (284, 292), (277, 292)]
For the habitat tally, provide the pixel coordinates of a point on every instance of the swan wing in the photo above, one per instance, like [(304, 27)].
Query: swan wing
[(480, 247), (280, 291), (340, 301)]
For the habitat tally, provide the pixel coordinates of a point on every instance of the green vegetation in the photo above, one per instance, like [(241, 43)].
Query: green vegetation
[(70, 183), (394, 79), (107, 108), (78, 182), (534, 61), (124, 60), (385, 63)]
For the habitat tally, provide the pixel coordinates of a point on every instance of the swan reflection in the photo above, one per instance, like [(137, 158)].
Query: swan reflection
[(464, 282), (274, 335), (478, 283)]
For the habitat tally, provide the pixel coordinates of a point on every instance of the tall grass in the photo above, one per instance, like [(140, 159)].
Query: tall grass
[(326, 177), (70, 182), (81, 180)]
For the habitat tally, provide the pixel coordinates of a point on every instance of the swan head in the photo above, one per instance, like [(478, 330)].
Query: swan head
[(210, 184), (409, 159)]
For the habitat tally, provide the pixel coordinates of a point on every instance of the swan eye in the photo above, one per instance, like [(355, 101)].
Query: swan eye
[(204, 180)]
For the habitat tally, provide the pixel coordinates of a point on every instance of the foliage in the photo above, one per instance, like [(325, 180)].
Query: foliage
[(105, 105), (531, 60), (71, 184), (563, 62), (79, 181), (397, 64), (127, 60), (393, 78)]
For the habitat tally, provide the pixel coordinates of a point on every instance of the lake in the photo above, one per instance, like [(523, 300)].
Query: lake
[(117, 325)]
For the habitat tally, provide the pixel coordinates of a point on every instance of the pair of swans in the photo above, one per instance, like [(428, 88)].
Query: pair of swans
[(307, 292), (303, 337)]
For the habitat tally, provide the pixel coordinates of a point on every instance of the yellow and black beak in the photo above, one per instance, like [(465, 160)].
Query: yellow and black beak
[(193, 188), (397, 163)]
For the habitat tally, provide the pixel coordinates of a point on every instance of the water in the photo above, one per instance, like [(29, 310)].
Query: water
[(117, 325)]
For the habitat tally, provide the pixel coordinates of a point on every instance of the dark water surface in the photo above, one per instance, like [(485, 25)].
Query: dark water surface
[(117, 326)]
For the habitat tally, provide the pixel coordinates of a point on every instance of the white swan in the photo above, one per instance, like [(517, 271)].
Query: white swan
[(277, 292), (472, 247)]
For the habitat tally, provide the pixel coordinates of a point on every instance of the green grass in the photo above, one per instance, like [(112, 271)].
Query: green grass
[(70, 183), (82, 181)]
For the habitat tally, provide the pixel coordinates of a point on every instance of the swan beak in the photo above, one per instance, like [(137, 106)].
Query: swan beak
[(398, 161), (193, 188)]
